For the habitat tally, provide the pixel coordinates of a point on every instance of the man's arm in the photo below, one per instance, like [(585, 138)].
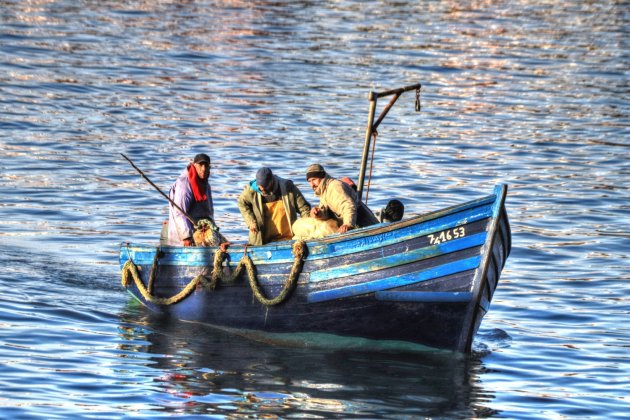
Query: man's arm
[(303, 207), (342, 203), (245, 206), (185, 228)]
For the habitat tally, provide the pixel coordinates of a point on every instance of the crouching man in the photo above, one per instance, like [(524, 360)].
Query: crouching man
[(337, 200)]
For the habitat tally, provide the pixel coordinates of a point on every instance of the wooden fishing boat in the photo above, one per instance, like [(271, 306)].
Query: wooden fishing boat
[(427, 279)]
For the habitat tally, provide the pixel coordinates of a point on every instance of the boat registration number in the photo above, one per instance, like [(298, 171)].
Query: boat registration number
[(447, 235)]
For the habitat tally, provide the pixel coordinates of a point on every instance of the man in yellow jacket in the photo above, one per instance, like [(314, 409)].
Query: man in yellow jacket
[(337, 200), (270, 205)]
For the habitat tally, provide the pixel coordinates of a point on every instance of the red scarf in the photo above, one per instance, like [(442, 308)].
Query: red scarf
[(198, 185)]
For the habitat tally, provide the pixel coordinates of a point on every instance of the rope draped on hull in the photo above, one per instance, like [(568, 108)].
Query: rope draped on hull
[(130, 273)]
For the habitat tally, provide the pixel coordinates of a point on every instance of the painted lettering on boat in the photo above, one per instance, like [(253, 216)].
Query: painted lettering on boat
[(447, 235)]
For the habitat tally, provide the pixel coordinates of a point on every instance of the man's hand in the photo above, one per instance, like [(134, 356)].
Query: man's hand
[(316, 212), (253, 227), (344, 228), (188, 242)]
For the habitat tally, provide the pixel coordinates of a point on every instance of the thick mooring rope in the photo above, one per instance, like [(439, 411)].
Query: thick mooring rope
[(130, 272)]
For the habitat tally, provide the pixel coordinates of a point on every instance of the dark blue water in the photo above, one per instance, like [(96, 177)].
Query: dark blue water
[(532, 94)]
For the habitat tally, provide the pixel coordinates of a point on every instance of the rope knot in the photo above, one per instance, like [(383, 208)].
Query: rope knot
[(299, 250)]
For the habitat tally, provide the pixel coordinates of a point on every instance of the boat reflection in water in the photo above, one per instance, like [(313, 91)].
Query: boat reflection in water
[(192, 368)]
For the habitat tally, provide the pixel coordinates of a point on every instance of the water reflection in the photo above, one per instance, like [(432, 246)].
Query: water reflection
[(198, 369)]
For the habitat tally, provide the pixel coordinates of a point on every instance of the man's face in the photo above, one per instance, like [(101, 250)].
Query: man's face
[(203, 170), (314, 182)]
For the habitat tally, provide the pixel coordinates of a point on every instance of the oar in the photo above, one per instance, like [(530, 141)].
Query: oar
[(160, 191)]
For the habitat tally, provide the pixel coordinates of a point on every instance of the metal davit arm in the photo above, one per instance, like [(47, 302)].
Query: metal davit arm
[(372, 126)]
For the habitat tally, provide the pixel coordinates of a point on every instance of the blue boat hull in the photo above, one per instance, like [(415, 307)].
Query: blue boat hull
[(428, 279)]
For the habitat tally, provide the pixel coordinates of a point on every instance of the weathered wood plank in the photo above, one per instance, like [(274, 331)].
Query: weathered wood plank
[(425, 297), (399, 259), (396, 281)]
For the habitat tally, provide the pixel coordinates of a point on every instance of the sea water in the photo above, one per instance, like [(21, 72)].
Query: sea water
[(532, 94)]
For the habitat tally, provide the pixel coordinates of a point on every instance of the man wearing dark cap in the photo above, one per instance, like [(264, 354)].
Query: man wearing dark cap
[(337, 200), (269, 205), (191, 192)]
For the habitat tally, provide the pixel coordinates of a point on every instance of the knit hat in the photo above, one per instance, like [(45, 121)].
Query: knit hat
[(264, 177), (315, 171)]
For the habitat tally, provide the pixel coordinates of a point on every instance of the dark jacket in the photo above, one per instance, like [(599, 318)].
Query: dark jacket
[(251, 205)]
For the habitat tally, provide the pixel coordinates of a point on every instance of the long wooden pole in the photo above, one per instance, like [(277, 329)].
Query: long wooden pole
[(366, 145), (190, 219)]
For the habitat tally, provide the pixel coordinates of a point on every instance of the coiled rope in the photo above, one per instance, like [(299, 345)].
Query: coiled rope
[(130, 272)]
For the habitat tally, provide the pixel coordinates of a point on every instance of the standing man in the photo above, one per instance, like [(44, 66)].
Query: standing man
[(337, 200), (269, 205), (191, 192)]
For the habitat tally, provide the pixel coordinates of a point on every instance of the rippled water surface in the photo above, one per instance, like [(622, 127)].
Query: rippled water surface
[(533, 94)]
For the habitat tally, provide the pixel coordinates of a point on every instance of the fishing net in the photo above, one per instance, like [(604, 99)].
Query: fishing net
[(207, 234)]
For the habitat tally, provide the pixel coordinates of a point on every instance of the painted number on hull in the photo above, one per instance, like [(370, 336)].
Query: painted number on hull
[(447, 235)]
